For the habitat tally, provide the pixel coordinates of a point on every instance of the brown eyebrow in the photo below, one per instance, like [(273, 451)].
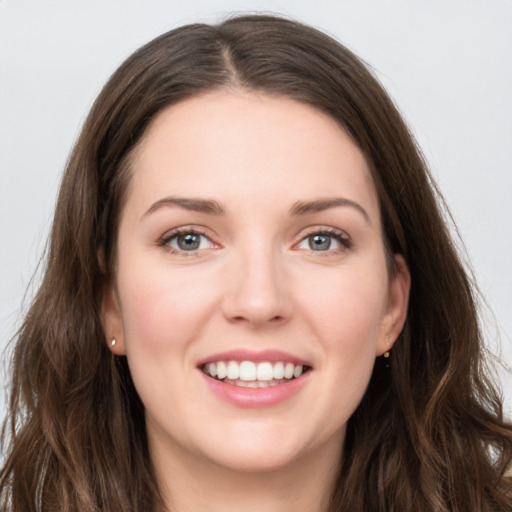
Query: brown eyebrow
[(197, 205), (319, 205), (212, 207)]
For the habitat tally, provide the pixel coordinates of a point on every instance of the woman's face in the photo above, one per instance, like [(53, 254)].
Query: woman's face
[(251, 243)]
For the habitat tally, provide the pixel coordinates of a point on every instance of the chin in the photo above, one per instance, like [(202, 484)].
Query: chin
[(243, 460), (257, 450)]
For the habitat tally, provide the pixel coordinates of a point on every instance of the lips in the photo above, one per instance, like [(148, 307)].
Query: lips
[(254, 379)]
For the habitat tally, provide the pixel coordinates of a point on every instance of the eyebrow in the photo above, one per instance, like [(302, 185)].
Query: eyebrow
[(193, 204), (212, 207), (319, 205)]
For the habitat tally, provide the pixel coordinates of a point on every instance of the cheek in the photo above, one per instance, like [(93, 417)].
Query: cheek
[(347, 317), (347, 312), (162, 308)]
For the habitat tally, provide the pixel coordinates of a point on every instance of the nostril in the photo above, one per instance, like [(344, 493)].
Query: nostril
[(257, 320)]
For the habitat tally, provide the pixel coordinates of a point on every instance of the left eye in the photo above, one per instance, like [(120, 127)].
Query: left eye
[(188, 241), (321, 242)]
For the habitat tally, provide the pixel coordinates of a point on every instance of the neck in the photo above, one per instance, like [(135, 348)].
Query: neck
[(304, 485)]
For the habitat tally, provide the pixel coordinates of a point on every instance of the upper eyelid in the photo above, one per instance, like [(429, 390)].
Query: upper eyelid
[(199, 230), (305, 232), (328, 230)]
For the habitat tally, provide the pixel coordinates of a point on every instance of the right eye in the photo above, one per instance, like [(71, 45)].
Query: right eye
[(187, 241)]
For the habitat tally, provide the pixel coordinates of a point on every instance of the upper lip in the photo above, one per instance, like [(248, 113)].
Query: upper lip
[(260, 356)]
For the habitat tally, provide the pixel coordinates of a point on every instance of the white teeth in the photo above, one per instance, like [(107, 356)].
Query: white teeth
[(247, 370), (233, 370), (278, 370), (250, 374), (212, 369), (254, 383), (265, 371), (221, 370)]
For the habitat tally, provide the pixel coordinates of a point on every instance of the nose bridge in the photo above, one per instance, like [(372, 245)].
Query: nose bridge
[(257, 293)]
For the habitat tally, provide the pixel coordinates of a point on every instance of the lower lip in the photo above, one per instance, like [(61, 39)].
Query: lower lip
[(254, 398)]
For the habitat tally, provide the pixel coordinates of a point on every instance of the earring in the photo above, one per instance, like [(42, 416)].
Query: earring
[(113, 342), (387, 353)]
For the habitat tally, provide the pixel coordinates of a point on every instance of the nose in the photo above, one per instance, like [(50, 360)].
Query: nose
[(256, 292)]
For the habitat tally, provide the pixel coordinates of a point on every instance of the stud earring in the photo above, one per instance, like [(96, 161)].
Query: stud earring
[(113, 342), (387, 353)]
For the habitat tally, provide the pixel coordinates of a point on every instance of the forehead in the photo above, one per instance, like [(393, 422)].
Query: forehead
[(249, 145)]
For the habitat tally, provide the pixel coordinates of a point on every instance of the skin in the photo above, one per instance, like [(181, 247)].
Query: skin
[(254, 283)]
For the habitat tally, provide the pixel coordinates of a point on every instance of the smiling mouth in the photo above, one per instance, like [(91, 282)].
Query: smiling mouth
[(249, 374)]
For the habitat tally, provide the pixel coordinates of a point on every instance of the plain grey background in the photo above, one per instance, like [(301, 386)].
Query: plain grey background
[(446, 63)]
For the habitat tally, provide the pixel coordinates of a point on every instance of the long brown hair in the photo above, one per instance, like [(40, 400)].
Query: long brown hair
[(429, 433)]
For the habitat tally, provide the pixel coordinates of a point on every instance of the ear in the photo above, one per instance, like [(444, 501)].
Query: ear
[(398, 302), (111, 317), (112, 320)]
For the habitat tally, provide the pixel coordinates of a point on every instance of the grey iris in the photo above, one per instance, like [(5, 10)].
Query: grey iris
[(319, 242), (189, 241)]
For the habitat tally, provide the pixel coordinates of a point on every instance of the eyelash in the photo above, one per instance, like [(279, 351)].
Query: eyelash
[(168, 237), (340, 236)]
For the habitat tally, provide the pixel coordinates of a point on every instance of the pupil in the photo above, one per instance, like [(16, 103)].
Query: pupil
[(319, 242), (188, 242)]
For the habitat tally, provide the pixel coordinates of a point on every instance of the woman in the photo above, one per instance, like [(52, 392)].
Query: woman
[(251, 299)]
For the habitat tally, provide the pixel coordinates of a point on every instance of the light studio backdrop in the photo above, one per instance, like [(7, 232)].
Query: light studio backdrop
[(447, 64)]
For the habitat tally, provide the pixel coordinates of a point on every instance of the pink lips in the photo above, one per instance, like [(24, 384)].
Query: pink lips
[(252, 398), (272, 356)]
